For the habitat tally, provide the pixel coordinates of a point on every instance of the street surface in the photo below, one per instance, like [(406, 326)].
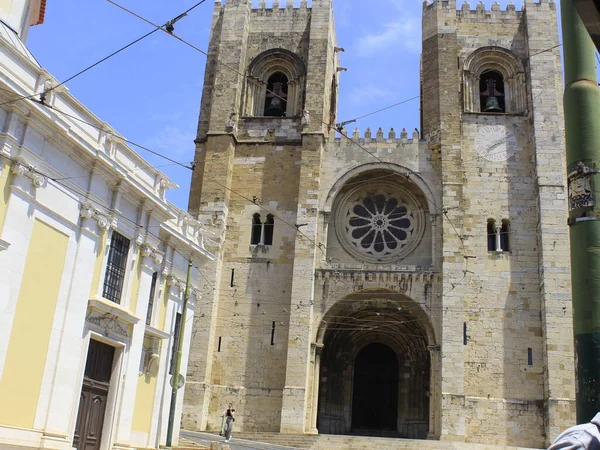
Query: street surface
[(235, 444)]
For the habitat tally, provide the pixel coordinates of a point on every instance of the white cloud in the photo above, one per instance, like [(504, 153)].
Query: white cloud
[(401, 33), (173, 142)]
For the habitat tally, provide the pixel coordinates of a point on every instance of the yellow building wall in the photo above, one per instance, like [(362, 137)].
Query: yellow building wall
[(4, 192), (96, 289), (144, 397), (32, 326)]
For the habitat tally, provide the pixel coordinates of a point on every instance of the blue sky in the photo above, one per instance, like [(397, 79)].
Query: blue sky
[(151, 92)]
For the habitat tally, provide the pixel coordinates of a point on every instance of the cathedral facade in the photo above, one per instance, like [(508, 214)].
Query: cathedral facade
[(411, 284)]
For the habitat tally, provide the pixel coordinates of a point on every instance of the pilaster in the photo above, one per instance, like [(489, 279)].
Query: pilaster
[(552, 233), (295, 394)]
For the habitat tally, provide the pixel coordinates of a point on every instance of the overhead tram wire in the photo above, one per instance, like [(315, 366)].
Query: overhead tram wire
[(166, 26), (180, 164), (198, 49), (465, 271), (98, 127)]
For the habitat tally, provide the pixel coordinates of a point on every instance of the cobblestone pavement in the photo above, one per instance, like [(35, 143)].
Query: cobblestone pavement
[(235, 444)]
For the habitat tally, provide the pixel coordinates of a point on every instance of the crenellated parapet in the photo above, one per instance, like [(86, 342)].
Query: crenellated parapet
[(496, 11), (282, 6), (270, 6), (379, 136)]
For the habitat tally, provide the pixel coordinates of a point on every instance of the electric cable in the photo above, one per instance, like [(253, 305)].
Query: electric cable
[(81, 72)]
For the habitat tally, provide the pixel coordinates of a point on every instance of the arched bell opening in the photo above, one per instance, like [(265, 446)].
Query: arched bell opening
[(375, 368), (276, 95), (491, 92)]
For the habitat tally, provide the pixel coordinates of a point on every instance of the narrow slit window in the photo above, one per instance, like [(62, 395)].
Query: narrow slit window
[(269, 226), (491, 235), (232, 277), (115, 268), (464, 333), (256, 230), (151, 298), (491, 91), (273, 334), (505, 236), (530, 357), (219, 346)]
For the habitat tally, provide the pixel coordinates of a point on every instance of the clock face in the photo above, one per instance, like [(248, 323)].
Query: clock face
[(495, 143)]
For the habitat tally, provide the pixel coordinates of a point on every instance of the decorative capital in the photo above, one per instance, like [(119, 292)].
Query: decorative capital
[(172, 280), (89, 211), (148, 251), (22, 169)]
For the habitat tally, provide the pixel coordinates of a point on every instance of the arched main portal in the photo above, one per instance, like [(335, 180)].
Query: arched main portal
[(375, 368)]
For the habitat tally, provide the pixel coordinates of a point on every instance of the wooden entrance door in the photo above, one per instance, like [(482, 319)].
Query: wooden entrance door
[(94, 393)]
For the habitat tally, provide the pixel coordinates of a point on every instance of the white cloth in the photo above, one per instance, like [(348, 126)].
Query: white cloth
[(580, 437)]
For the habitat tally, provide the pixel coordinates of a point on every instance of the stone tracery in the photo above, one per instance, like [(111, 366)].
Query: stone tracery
[(379, 223)]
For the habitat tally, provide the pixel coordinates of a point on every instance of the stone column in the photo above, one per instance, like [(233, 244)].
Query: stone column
[(315, 389)]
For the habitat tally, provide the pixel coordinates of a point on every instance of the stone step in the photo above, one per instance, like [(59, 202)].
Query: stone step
[(345, 442)]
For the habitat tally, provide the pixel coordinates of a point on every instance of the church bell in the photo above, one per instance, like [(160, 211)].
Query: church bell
[(492, 105), (276, 108)]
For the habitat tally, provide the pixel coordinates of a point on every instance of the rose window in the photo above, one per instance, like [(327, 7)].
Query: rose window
[(381, 224)]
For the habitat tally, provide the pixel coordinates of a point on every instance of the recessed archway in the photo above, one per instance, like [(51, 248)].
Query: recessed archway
[(375, 367)]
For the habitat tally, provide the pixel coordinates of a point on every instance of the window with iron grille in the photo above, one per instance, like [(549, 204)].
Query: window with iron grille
[(115, 268), (176, 336), (151, 299)]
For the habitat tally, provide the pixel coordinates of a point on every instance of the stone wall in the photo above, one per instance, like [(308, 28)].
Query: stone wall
[(496, 324)]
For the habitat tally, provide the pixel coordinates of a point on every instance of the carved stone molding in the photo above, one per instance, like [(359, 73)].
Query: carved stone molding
[(152, 253), (109, 323), (110, 318), (104, 221), (23, 169)]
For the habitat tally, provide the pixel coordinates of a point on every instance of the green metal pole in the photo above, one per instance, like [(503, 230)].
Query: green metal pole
[(175, 379), (582, 126)]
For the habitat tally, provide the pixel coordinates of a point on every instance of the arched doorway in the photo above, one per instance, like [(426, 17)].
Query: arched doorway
[(374, 368), (375, 390)]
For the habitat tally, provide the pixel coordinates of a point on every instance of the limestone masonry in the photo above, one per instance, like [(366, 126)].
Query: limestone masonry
[(401, 283)]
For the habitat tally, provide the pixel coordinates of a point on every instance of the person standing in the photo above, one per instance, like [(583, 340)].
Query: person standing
[(229, 419)]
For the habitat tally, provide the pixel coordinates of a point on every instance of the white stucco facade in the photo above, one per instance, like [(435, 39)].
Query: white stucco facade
[(69, 186)]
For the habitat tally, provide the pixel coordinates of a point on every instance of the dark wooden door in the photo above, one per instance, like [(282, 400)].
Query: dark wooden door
[(375, 393), (94, 393)]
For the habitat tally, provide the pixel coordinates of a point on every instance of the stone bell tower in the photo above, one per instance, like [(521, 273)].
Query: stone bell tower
[(268, 103), (493, 119)]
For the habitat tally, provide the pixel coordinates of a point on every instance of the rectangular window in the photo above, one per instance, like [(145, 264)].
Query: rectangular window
[(151, 298), (176, 336), (529, 357), (115, 268)]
